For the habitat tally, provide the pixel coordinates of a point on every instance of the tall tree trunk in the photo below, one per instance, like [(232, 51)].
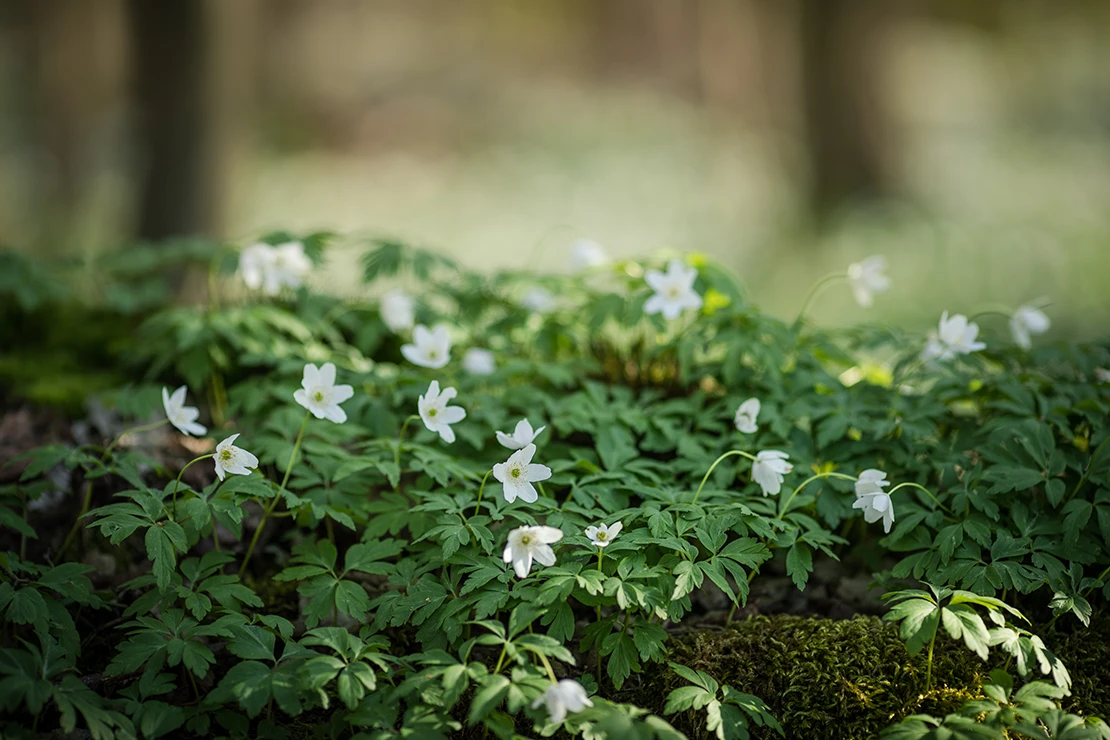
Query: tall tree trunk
[(180, 69), (845, 129)]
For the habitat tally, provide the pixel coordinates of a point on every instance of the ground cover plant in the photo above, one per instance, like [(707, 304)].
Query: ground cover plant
[(517, 505)]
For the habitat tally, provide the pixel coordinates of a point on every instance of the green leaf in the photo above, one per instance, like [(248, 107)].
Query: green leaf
[(799, 564), (351, 599), (493, 691)]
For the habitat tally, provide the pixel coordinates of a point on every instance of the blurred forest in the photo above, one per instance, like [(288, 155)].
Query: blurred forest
[(968, 140)]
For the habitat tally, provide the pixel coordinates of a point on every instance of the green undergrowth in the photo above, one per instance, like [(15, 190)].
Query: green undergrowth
[(850, 679)]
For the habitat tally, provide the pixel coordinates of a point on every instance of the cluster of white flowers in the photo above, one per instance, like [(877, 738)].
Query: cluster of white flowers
[(272, 268), (228, 458)]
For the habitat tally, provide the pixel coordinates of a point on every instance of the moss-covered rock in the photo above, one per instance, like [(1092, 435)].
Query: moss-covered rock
[(851, 678)]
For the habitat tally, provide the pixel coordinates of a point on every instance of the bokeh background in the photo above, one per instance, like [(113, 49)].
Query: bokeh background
[(967, 140)]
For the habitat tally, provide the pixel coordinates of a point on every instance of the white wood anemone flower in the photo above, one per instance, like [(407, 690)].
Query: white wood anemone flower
[(538, 299), (565, 696), (320, 395), (272, 268), (768, 470), (521, 437), (955, 336), (867, 277), (430, 348), (232, 460), (181, 416), (873, 500), (1026, 322), (602, 535), (531, 543), (1102, 375), (674, 290), (398, 311), (478, 361), (518, 473), (586, 254), (436, 414), (746, 415)]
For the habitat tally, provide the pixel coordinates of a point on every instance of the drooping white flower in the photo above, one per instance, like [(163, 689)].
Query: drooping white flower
[(602, 535), (232, 460), (518, 473), (538, 299), (955, 336), (531, 543), (674, 290), (1026, 321), (1102, 375), (586, 254), (479, 361), (746, 416), (272, 268), (437, 415), (181, 416), (768, 470), (429, 348), (522, 436), (321, 395), (873, 500), (565, 696), (867, 278), (871, 480), (398, 311)]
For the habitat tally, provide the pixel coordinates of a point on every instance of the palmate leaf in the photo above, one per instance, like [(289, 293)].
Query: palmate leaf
[(919, 620)]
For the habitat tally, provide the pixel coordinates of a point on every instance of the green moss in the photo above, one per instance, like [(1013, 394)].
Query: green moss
[(824, 678), (850, 679), (1086, 653)]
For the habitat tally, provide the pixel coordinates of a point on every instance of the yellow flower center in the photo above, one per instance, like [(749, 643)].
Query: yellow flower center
[(225, 455), (432, 412), (602, 536), (525, 540), (515, 472), (319, 396)]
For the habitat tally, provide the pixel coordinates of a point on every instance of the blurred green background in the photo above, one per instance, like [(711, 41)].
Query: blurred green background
[(967, 140)]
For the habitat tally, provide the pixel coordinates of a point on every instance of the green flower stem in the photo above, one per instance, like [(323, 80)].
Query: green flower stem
[(132, 430), (717, 462), (273, 502), (400, 439), (926, 491), (806, 482), (501, 659), (177, 483), (547, 665), (481, 488), (736, 604), (815, 290), (995, 310), (929, 661)]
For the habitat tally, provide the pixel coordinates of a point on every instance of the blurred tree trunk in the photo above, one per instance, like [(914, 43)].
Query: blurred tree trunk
[(188, 73), (845, 125)]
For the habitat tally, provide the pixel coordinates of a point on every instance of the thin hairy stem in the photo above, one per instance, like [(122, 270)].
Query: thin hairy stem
[(717, 462), (273, 502)]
